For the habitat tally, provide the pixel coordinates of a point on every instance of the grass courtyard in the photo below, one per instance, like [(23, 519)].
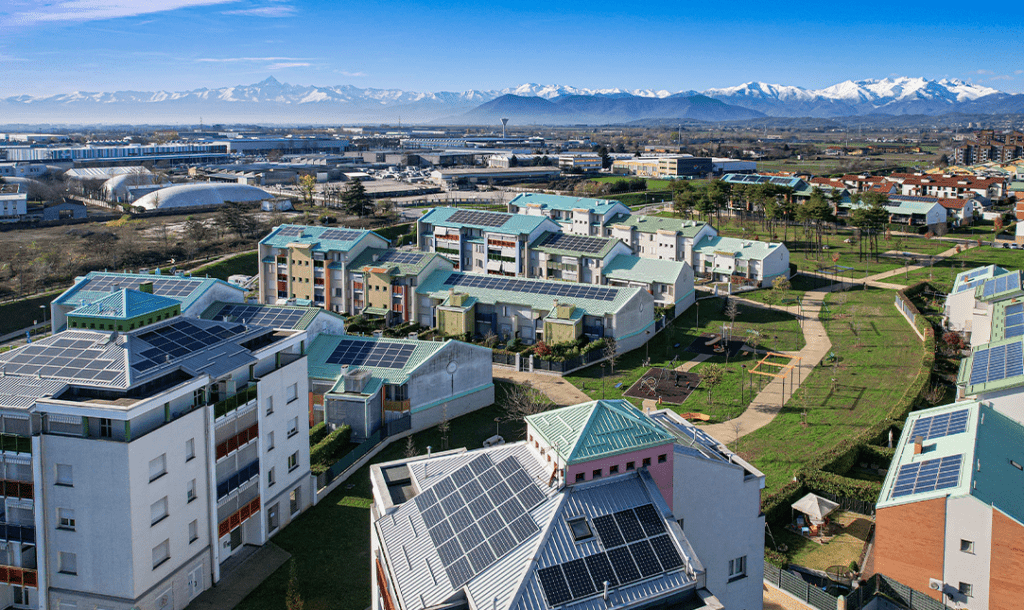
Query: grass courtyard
[(846, 546), (943, 272), (879, 357)]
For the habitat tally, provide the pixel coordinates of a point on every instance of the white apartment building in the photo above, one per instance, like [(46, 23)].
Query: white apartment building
[(577, 215), (661, 238), (13, 202), (139, 464)]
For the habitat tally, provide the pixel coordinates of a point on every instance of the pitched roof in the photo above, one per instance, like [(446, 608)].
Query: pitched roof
[(404, 263), (320, 239), (565, 240), (97, 285), (290, 317), (323, 346), (596, 429), (635, 268), (653, 224), (124, 304), (562, 202), (741, 248), (511, 224)]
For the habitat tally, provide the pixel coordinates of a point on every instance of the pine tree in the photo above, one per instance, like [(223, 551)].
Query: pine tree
[(355, 201)]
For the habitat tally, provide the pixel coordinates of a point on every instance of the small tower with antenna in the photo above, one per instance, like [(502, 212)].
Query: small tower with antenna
[(504, 122)]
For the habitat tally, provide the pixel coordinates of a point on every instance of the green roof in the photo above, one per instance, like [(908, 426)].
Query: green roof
[(606, 248), (312, 236), (653, 224), (323, 346), (124, 305), (562, 202), (597, 429), (748, 249), (509, 224), (635, 268), (366, 259), (435, 286)]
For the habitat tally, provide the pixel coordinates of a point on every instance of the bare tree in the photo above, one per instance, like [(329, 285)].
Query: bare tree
[(523, 400), (444, 427), (610, 352), (410, 450)]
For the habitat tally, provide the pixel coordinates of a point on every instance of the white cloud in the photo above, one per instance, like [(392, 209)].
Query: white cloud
[(345, 73), (248, 59), (264, 11), (1002, 77), (984, 72), (288, 64), (27, 13)]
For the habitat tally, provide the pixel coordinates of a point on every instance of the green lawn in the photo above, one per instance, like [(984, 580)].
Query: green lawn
[(331, 542), (846, 546), (782, 332), (879, 357), (241, 264), (652, 185), (943, 272), (800, 285), (20, 314)]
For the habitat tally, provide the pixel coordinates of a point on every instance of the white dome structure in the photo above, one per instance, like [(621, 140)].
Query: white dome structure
[(116, 188), (207, 193)]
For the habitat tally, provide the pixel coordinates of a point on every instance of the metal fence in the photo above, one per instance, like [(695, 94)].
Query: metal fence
[(569, 364), (880, 585), (851, 504), (908, 309), (506, 358), (799, 588)]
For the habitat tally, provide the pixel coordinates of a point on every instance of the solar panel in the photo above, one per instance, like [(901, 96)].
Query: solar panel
[(426, 499), (644, 557), (629, 525), (576, 243), (530, 497), (552, 581), (622, 562), (441, 534), (480, 507), (502, 542), (371, 353), (523, 527), (287, 231), (940, 425), (601, 571), (451, 503), (511, 509), (500, 493), (491, 523), (927, 476), (470, 537), (666, 552), (650, 519), (1013, 326), (399, 257), (444, 487), (489, 478), (480, 464), (578, 577), (459, 572), (608, 531), (997, 363), (262, 315), (461, 519), (179, 339), (449, 552), (341, 235), (554, 289), (462, 476), (480, 219), (174, 287)]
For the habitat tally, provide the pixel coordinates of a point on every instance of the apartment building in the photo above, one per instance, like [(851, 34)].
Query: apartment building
[(383, 282), (572, 258), (661, 238), (577, 215), (113, 299), (492, 243), (310, 265), (962, 303), (950, 187), (911, 211), (669, 282), (948, 519), (13, 202), (142, 464), (741, 261), (579, 163), (987, 146), (665, 166)]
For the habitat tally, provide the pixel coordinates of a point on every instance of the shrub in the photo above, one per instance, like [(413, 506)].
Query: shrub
[(329, 450), (775, 558), (317, 433)]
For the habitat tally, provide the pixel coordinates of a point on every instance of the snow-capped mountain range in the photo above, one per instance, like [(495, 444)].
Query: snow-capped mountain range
[(273, 101)]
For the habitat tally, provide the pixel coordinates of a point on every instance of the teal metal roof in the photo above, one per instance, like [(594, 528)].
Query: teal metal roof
[(740, 248), (323, 346), (606, 248), (510, 224), (990, 446), (366, 259), (97, 285), (434, 286), (597, 429), (313, 237), (653, 224), (125, 304), (564, 203), (635, 268)]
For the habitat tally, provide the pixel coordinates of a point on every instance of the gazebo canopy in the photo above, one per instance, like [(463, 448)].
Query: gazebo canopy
[(815, 507)]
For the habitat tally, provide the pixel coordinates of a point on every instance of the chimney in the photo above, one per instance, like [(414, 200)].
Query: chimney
[(146, 287), (918, 444)]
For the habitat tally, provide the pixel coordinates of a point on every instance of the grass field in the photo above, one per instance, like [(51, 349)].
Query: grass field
[(944, 271), (727, 401), (331, 542), (800, 285), (879, 357), (246, 263), (20, 314), (845, 547), (652, 185)]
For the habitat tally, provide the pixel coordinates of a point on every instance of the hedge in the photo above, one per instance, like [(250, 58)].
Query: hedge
[(776, 505), (329, 450), (775, 558), (317, 433)]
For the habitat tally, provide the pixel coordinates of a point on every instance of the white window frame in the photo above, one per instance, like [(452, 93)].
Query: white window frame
[(738, 567), (66, 519), (190, 492), (157, 467)]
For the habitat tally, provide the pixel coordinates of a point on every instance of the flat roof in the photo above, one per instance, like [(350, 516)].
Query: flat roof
[(494, 222), (328, 353), (562, 202)]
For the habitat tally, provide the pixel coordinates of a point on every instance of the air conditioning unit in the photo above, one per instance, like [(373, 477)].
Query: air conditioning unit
[(934, 584)]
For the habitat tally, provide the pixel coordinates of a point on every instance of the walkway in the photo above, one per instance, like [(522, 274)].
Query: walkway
[(242, 579), (560, 391)]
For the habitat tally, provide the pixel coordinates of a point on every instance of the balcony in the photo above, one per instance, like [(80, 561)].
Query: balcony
[(22, 577), (228, 405), (15, 443), (238, 441), (16, 489), (17, 533), (244, 475), (238, 517), (396, 405)]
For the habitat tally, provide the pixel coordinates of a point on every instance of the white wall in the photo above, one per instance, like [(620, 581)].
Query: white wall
[(968, 519)]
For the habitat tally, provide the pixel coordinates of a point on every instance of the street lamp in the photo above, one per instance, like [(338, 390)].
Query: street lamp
[(648, 346), (497, 432), (743, 381), (602, 381)]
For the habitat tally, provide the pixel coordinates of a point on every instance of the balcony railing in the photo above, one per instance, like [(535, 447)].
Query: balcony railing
[(22, 577), (13, 442), (238, 517), (396, 405), (238, 441), (16, 489), (244, 475), (17, 533), (229, 404)]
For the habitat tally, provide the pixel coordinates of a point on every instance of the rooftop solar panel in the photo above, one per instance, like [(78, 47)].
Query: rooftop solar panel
[(552, 581), (625, 567), (555, 289), (576, 243), (629, 525), (601, 571), (400, 258), (480, 219), (173, 287), (371, 353), (578, 577), (666, 552), (261, 315), (179, 339), (930, 475), (645, 559), (289, 231), (609, 531), (938, 426), (341, 235), (997, 363)]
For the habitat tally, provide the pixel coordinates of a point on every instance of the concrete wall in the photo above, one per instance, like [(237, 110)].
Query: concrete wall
[(632, 320), (968, 519), (432, 387)]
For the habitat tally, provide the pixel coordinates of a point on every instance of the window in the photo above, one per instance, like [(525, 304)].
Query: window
[(157, 467), (738, 567), (966, 546), (193, 531), (106, 429), (270, 478), (647, 461), (273, 521), (580, 477), (66, 519), (630, 466), (67, 563), (662, 458), (596, 474), (966, 589), (158, 511), (270, 405), (190, 449), (293, 392), (161, 553), (293, 427), (64, 476), (190, 491), (580, 529), (295, 500), (293, 461), (270, 440), (613, 469)]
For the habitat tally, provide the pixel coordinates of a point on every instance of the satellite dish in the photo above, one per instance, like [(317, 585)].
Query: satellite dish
[(452, 367)]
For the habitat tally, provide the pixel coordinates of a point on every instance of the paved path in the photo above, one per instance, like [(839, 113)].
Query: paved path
[(887, 274), (560, 391), (242, 579)]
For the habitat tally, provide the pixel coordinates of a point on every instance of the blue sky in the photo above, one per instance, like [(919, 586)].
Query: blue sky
[(60, 46)]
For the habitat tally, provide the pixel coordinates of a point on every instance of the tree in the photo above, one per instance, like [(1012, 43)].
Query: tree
[(385, 208), (542, 349), (611, 352), (355, 200), (196, 233), (238, 218), (711, 375), (523, 400), (731, 311), (293, 599), (444, 427), (684, 198), (410, 450), (513, 161), (307, 185)]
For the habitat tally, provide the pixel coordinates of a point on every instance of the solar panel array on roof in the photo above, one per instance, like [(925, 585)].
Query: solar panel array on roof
[(930, 475), (577, 243), (179, 339), (482, 219), (968, 286), (341, 234), (371, 353), (1002, 283), (1014, 325), (997, 363), (561, 289), (400, 258), (467, 541), (178, 288), (757, 179), (79, 359), (937, 426), (975, 273), (636, 547), (257, 315), (290, 231)]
